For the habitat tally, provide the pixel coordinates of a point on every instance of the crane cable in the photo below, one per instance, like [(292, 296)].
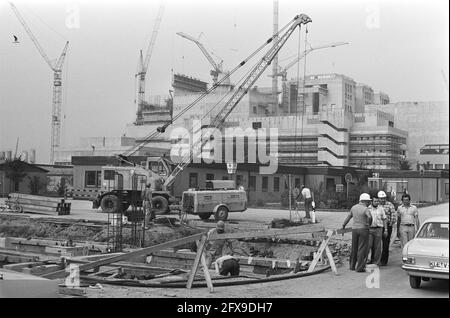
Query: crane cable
[(296, 103), (303, 95), (198, 99)]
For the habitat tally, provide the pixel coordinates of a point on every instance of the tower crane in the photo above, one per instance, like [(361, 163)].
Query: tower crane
[(217, 66), (283, 72), (114, 200), (143, 63), (56, 67)]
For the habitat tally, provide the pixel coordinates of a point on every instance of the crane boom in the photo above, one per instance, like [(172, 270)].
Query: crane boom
[(310, 50), (32, 37), (217, 67), (144, 63), (223, 113)]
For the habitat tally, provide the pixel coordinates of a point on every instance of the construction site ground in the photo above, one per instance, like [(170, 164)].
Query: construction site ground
[(393, 280)]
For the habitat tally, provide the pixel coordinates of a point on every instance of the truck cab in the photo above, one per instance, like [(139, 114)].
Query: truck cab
[(219, 198), (123, 186)]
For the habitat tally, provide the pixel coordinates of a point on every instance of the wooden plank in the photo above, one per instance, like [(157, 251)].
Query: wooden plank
[(289, 231), (320, 251), (35, 197), (143, 251), (30, 207), (200, 247), (206, 273), (34, 202), (331, 260)]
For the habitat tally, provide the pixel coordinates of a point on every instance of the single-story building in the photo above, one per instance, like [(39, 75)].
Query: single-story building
[(23, 177)]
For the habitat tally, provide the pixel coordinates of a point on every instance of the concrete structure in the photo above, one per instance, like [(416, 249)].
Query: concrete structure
[(375, 143), (427, 123), (381, 98)]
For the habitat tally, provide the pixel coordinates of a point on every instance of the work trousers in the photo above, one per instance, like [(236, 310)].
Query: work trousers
[(385, 248), (230, 266), (360, 244), (394, 234), (406, 233), (308, 207), (375, 235), (148, 211)]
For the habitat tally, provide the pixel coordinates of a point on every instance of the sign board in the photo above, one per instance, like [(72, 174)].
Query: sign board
[(339, 187), (231, 167), (348, 177)]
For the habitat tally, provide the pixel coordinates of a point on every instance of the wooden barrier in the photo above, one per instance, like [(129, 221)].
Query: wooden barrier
[(39, 204)]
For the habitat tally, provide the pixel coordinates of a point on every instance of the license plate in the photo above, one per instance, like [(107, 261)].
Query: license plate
[(439, 265)]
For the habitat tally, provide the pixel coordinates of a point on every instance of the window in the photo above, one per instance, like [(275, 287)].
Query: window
[(255, 110), (209, 176), (439, 166), (265, 184), (252, 183), (315, 103), (225, 178), (256, 125), (434, 230), (276, 184), (92, 178), (193, 180), (446, 189), (297, 183)]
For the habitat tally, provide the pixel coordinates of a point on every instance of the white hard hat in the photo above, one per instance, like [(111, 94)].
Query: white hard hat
[(381, 194), (364, 197)]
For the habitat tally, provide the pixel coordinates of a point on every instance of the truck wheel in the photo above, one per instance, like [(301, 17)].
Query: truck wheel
[(160, 205), (414, 281), (111, 204), (221, 214), (204, 216)]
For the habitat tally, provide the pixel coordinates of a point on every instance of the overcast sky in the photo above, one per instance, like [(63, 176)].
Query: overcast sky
[(399, 47)]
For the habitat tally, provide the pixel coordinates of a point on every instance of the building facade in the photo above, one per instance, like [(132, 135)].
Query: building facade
[(427, 124)]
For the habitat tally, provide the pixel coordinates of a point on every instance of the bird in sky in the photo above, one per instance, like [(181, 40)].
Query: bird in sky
[(16, 40)]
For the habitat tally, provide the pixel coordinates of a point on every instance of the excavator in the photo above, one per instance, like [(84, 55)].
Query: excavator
[(129, 179)]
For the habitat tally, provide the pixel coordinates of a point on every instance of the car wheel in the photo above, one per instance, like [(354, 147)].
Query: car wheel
[(414, 281), (426, 279), (111, 204), (221, 214), (204, 216)]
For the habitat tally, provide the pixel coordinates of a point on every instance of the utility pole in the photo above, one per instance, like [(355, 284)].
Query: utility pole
[(275, 60)]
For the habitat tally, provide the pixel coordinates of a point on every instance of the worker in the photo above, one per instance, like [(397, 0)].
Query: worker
[(360, 232), (377, 231), (149, 214), (391, 226), (306, 194), (407, 220), (220, 253)]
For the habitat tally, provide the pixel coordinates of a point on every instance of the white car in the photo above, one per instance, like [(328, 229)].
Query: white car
[(426, 256)]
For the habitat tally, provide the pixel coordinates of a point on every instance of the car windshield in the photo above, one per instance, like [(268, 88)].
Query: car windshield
[(434, 230)]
